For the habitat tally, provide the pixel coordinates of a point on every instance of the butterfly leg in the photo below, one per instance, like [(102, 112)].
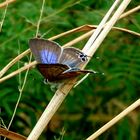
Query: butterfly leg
[(45, 81), (80, 81), (55, 86)]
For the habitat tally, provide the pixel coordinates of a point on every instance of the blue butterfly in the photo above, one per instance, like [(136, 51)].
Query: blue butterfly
[(55, 63)]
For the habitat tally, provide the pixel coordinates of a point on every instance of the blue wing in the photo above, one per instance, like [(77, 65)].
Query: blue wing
[(72, 57), (45, 51)]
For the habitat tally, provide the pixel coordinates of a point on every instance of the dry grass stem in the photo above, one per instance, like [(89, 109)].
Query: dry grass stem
[(100, 26), (78, 39), (78, 29), (3, 4), (130, 12), (107, 28), (53, 105), (11, 135), (115, 120), (16, 59), (18, 71)]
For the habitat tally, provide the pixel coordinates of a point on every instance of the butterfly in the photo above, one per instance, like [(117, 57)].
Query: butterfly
[(55, 63)]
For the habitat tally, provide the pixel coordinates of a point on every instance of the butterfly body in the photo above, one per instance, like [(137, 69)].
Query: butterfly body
[(55, 63)]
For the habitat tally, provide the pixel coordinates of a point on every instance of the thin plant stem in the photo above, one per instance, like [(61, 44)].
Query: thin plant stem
[(40, 17), (26, 74), (2, 124), (2, 72), (20, 94), (18, 71), (114, 120), (4, 15), (131, 11)]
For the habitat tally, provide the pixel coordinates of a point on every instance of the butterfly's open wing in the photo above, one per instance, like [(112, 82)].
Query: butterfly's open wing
[(72, 57), (51, 72), (45, 51)]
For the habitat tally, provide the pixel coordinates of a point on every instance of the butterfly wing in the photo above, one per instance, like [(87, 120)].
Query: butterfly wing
[(45, 51), (51, 72), (72, 57)]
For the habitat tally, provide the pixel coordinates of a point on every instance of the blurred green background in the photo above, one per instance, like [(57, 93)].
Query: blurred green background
[(95, 101)]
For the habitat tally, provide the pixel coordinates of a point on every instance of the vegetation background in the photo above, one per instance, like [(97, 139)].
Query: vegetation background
[(95, 101)]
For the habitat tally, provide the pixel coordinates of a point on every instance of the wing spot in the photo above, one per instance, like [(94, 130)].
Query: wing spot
[(82, 56)]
